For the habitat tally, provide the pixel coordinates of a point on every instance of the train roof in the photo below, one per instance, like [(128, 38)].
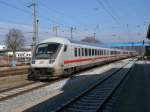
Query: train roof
[(57, 40), (69, 41)]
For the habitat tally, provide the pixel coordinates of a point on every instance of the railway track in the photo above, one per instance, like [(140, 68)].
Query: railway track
[(95, 97), (22, 89), (19, 90), (11, 72), (10, 93)]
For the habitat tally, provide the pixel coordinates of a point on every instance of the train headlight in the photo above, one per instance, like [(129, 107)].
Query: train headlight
[(33, 61), (51, 61)]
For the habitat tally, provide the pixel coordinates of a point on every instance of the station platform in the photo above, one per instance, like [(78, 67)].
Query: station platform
[(135, 96)]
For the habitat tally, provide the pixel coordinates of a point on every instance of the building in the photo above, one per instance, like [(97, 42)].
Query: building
[(3, 47)]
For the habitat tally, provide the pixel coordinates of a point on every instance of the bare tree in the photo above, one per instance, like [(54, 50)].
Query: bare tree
[(14, 40)]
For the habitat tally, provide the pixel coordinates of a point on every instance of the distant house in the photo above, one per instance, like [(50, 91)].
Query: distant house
[(3, 47)]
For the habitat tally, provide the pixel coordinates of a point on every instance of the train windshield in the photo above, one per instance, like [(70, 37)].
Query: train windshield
[(47, 51)]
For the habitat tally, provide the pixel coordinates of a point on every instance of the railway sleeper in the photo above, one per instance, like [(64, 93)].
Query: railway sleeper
[(92, 100), (78, 110), (75, 106), (87, 103)]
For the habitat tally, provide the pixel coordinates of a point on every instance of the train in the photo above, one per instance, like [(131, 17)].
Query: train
[(56, 57), (147, 53)]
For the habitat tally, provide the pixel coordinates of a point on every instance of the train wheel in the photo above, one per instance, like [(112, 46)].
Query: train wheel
[(69, 71)]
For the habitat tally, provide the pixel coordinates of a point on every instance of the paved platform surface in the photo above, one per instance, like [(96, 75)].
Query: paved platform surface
[(135, 96)]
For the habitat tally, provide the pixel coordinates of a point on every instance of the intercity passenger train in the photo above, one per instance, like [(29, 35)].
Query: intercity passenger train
[(56, 57)]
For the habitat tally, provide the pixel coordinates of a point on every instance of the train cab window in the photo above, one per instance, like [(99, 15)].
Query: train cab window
[(79, 53), (82, 51), (75, 52), (65, 48), (45, 50)]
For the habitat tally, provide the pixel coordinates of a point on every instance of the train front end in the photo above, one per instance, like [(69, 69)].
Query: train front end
[(45, 61)]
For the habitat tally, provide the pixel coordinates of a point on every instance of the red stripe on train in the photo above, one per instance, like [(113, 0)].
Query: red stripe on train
[(82, 60)]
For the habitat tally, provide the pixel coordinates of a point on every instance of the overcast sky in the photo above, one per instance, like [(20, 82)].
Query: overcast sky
[(111, 20)]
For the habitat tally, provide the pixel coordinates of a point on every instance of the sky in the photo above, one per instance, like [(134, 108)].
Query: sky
[(111, 20)]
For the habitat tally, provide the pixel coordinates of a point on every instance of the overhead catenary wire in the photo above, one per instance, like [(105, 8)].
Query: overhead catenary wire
[(108, 12), (13, 6), (29, 12), (60, 13), (112, 9), (25, 11)]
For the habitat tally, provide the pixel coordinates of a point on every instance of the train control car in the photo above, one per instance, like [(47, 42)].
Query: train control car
[(56, 57)]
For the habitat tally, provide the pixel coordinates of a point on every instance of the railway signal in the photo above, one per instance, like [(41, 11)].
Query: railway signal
[(148, 32)]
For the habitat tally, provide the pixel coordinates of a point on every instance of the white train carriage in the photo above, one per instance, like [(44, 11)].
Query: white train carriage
[(55, 57)]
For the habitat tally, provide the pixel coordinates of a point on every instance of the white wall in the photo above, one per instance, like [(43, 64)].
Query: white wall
[(21, 54)]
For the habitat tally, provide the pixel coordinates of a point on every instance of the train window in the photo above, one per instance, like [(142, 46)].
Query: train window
[(65, 48), (92, 52), (79, 52), (75, 52), (82, 51), (86, 52), (104, 52), (110, 52), (89, 52), (95, 52)]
